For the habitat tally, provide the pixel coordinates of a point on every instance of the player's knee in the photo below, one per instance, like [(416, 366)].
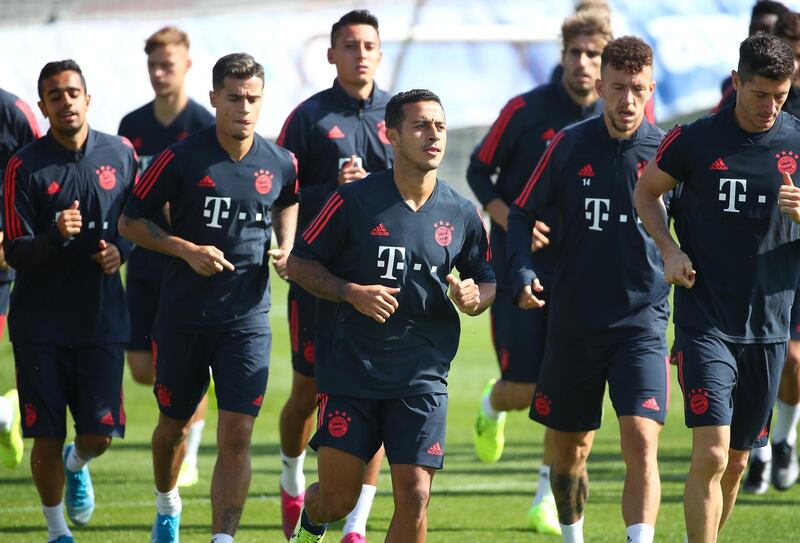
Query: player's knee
[(522, 397), (711, 461), (572, 455), (737, 463), (234, 441), (336, 502), (93, 445), (412, 498)]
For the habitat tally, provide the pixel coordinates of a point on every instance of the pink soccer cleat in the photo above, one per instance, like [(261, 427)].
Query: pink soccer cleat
[(290, 511), (353, 537)]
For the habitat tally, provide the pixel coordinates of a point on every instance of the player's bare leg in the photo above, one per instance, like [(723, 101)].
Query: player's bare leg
[(737, 463), (641, 495), (336, 493), (47, 469), (703, 496), (169, 448), (512, 396), (141, 366), (232, 471), (570, 481), (411, 486)]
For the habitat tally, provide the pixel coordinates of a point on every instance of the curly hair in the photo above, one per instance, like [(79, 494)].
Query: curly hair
[(627, 53)]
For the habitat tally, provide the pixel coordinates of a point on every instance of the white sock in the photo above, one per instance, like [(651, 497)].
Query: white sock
[(490, 411), (169, 503), (6, 414), (764, 454), (75, 462), (640, 533), (544, 490), (357, 519), (56, 524), (786, 423), (292, 479), (193, 442), (222, 538), (572, 533)]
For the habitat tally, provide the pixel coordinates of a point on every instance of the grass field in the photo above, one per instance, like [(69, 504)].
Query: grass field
[(471, 503)]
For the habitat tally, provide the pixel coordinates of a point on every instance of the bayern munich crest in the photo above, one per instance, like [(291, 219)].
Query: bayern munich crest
[(263, 181), (338, 423), (443, 233), (107, 177), (787, 162)]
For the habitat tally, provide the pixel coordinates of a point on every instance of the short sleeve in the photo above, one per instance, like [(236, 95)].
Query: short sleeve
[(158, 185), (674, 154), (474, 260), (324, 237)]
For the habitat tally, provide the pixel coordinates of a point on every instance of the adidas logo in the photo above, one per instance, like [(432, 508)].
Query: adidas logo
[(718, 164), (206, 182), (651, 404), (435, 450), (258, 401), (548, 134), (379, 230), (335, 133), (107, 419), (53, 188), (587, 171)]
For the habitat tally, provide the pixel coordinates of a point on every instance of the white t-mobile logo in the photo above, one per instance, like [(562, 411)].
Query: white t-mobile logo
[(597, 211), (730, 195), (215, 210), (391, 263)]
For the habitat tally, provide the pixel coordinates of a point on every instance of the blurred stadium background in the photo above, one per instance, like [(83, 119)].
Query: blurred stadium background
[(476, 54)]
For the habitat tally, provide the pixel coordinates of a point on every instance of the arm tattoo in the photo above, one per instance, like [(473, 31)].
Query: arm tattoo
[(153, 229), (316, 279)]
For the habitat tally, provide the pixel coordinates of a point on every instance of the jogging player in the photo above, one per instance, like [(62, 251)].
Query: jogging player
[(226, 187), (608, 298), (381, 253), (338, 136), (68, 320), (514, 144), (171, 117), (736, 227), (18, 127)]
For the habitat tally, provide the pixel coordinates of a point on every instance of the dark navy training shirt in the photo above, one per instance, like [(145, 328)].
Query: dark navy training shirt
[(149, 138), (511, 150), (216, 201), (328, 129), (367, 234), (608, 280), (744, 250), (61, 296), (18, 127)]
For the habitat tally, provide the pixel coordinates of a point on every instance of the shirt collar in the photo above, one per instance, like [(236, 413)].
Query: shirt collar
[(353, 103), (69, 154)]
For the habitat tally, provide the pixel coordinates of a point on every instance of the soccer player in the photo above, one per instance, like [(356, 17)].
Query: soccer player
[(18, 127), (226, 187), (338, 136), (736, 230), (169, 118), (779, 462), (381, 253), (764, 17), (514, 144), (68, 320), (608, 298)]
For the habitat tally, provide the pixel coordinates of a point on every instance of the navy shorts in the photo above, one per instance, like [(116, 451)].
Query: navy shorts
[(302, 313), (569, 394), (238, 356), (729, 384), (411, 429), (142, 296), (86, 379), (519, 338), (794, 321)]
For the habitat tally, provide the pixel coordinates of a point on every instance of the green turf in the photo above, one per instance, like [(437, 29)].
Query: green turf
[(471, 502)]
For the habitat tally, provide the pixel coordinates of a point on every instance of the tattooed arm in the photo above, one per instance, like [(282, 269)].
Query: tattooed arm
[(375, 301)]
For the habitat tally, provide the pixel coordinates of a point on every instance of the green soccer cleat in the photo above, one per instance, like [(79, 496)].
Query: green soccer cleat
[(188, 475), (489, 435), (301, 535), (11, 445), (543, 517)]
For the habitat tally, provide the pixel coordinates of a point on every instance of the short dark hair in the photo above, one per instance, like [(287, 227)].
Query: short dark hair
[(627, 53), (766, 56), (56, 67), (768, 7), (788, 26), (237, 66), (394, 109), (586, 23), (355, 17)]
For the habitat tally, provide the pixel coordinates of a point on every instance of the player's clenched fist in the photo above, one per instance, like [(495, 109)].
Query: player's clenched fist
[(465, 294), (69, 221), (527, 298), (207, 260), (279, 258), (678, 269), (374, 301), (789, 198), (107, 257)]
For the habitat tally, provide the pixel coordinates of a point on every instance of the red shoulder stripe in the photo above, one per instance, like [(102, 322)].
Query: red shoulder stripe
[(23, 107), (322, 220), (668, 139), (282, 135), (489, 147), (12, 225), (486, 233), (537, 173), (152, 173)]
